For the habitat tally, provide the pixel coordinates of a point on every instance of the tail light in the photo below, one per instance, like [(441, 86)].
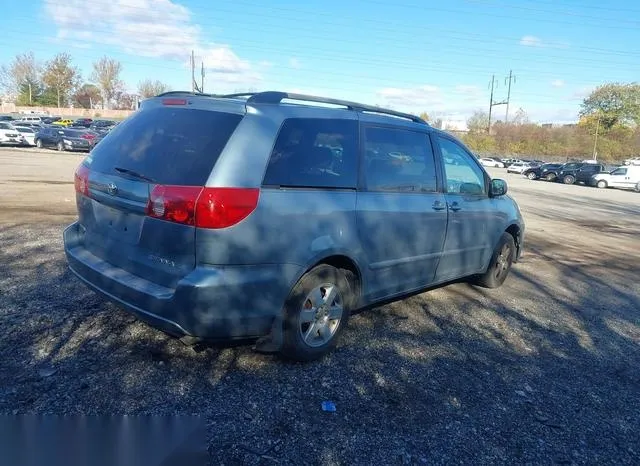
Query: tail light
[(202, 207), (81, 180)]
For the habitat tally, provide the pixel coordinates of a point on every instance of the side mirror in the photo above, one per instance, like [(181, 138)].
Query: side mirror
[(498, 188)]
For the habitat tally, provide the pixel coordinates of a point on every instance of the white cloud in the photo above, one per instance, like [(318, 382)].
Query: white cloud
[(531, 41), (582, 92), (468, 90), (426, 95), (148, 28), (454, 104), (557, 83), (294, 63)]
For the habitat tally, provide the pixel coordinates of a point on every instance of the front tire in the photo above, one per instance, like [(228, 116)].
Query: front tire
[(39, 144), (315, 314), (500, 263), (60, 147), (531, 175)]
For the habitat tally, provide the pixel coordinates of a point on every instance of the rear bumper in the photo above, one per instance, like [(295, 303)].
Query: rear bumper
[(211, 302)]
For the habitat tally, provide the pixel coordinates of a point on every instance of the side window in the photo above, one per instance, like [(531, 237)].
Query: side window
[(316, 153), (463, 174), (398, 160), (619, 171)]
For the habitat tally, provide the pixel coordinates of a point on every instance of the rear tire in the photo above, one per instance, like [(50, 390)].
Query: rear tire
[(601, 184), (550, 177), (315, 314), (569, 179), (500, 263)]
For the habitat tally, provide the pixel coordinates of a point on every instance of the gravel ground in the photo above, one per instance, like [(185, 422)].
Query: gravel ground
[(542, 370)]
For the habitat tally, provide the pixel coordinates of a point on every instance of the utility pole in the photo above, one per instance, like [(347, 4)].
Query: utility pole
[(492, 103), (511, 76), (595, 142), (193, 72), (493, 77), (202, 79)]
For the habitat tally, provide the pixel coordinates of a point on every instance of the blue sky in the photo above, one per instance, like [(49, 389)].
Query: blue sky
[(411, 55)]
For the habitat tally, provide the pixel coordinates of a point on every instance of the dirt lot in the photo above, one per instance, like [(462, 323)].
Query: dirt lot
[(543, 370)]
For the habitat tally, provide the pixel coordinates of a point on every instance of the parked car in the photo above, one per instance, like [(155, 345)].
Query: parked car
[(50, 120), (625, 177), (6, 118), (518, 167), (9, 135), (28, 134), (488, 162), (28, 119), (578, 172), (508, 162), (64, 122), (100, 125), (258, 229), (632, 161), (82, 122), (62, 139), (545, 171)]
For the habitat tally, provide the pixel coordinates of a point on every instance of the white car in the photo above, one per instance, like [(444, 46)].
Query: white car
[(29, 134), (487, 162), (518, 167), (626, 177), (10, 135), (29, 119), (632, 161)]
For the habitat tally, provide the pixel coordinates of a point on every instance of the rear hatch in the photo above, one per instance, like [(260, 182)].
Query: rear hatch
[(157, 149)]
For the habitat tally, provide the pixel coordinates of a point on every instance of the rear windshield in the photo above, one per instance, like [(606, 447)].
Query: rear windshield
[(169, 145)]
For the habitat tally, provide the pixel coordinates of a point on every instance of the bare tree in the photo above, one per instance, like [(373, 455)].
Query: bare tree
[(87, 96), (23, 74), (61, 76), (149, 88), (106, 74)]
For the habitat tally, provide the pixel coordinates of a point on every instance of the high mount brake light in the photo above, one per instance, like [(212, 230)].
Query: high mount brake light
[(202, 207), (174, 101)]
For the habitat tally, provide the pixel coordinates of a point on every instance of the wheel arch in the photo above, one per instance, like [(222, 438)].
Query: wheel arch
[(515, 230)]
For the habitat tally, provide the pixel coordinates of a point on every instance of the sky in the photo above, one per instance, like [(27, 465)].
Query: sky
[(411, 55)]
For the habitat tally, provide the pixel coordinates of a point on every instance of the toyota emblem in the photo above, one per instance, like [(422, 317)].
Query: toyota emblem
[(112, 189)]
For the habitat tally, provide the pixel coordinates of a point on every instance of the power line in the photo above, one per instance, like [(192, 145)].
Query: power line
[(350, 20), (433, 64), (352, 79)]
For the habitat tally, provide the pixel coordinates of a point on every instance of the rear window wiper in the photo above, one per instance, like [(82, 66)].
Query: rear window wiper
[(134, 174)]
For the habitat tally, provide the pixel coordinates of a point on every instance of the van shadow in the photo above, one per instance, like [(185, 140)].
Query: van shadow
[(542, 370)]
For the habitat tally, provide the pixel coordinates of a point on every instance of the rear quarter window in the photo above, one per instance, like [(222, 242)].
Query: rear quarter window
[(173, 146), (314, 153)]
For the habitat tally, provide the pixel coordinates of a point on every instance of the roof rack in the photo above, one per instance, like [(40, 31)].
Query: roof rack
[(274, 97)]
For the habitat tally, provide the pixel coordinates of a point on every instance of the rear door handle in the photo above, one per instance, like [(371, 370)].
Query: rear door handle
[(455, 206), (438, 205)]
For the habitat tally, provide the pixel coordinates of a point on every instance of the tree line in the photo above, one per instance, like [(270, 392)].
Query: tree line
[(608, 126), (57, 82)]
